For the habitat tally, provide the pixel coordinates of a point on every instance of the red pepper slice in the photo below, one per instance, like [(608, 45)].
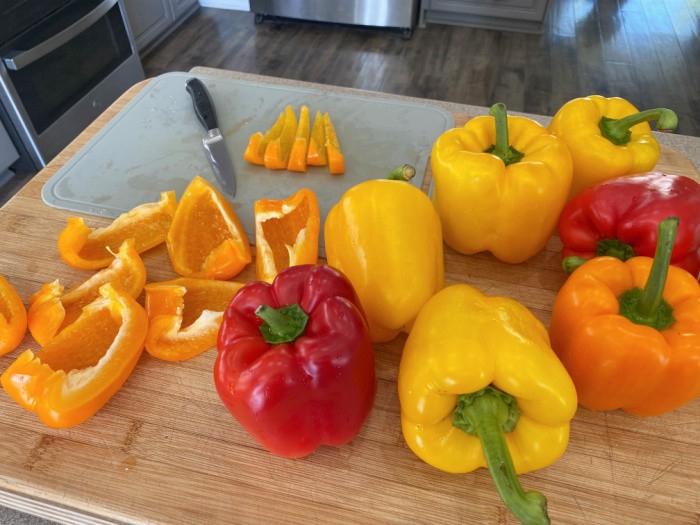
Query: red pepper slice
[(619, 217), (318, 385)]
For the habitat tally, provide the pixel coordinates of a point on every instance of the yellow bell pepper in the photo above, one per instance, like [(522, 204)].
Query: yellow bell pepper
[(500, 183), (609, 137), (384, 235), (480, 386)]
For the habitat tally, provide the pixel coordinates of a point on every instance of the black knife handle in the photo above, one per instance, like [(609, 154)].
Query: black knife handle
[(203, 105)]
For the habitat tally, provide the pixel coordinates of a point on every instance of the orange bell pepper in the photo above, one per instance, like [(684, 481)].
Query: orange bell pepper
[(286, 233), (13, 317), (206, 238), (629, 332), (80, 369), (51, 311), (184, 316), (87, 249), (336, 161)]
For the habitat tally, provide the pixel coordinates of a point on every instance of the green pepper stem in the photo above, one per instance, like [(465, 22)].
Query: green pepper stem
[(488, 414), (502, 149), (572, 262), (402, 172), (647, 306), (281, 325), (618, 131)]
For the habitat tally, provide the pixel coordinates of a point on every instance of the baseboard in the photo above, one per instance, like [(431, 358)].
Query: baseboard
[(237, 5)]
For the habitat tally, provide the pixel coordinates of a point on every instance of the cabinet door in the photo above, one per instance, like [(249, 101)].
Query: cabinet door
[(148, 20), (181, 6)]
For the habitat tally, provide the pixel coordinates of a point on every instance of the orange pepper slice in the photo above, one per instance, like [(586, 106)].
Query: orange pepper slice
[(271, 134), (286, 233), (297, 157), (206, 238), (316, 155), (13, 317), (251, 152), (336, 161), (87, 249), (278, 149), (80, 369), (184, 315), (51, 311)]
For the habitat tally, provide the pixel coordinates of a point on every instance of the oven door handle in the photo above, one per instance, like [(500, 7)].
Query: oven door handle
[(16, 60)]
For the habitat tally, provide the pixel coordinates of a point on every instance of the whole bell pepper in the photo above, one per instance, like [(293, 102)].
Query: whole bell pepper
[(629, 332), (479, 386), (500, 183), (385, 236), (609, 137), (295, 363), (620, 217)]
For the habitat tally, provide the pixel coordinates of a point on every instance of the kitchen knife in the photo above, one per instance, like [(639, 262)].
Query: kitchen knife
[(213, 143)]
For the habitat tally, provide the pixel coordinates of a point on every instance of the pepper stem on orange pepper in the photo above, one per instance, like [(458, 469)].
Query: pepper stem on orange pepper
[(502, 149), (647, 306), (617, 130), (488, 414), (281, 325)]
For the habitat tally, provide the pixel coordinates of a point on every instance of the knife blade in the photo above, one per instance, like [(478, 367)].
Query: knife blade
[(213, 142)]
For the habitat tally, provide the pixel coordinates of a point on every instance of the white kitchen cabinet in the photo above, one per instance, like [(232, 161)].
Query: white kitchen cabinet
[(152, 20), (509, 15)]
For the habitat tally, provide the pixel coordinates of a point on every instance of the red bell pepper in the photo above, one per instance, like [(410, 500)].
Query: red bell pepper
[(295, 362), (619, 217)]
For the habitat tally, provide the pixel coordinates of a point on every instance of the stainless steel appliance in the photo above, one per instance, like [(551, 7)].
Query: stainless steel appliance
[(62, 62), (401, 14)]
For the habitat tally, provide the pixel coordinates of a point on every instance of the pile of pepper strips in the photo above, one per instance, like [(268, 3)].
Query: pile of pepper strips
[(624, 332)]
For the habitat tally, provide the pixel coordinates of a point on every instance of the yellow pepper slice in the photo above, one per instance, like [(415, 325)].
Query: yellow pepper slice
[(297, 157), (184, 315), (316, 155), (336, 161), (270, 135), (206, 238), (80, 369), (50, 310), (88, 249), (13, 317)]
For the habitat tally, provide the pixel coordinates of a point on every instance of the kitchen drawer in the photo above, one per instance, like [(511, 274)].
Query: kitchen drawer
[(509, 15)]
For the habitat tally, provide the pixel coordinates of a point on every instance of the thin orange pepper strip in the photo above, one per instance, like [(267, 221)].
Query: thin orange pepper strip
[(13, 317)]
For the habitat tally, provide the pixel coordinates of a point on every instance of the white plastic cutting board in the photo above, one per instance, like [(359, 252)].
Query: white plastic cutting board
[(154, 144)]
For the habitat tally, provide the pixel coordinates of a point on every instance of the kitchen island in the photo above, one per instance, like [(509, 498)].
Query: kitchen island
[(165, 450)]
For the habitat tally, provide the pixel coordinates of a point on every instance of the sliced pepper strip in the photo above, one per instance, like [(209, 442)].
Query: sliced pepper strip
[(80, 369), (87, 249), (13, 317), (251, 153), (297, 158), (336, 161), (184, 315), (317, 155), (278, 149)]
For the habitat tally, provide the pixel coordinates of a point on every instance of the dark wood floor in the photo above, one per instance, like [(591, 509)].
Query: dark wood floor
[(647, 51)]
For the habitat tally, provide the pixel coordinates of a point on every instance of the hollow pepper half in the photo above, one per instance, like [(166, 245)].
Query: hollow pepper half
[(295, 363), (620, 217), (609, 137), (629, 332), (500, 183), (480, 386), (385, 236)]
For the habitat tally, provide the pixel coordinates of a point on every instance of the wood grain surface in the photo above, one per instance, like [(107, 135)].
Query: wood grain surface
[(165, 450)]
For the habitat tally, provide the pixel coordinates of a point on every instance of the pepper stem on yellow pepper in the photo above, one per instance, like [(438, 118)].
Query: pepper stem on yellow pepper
[(488, 414), (502, 149), (403, 172), (618, 131), (647, 306)]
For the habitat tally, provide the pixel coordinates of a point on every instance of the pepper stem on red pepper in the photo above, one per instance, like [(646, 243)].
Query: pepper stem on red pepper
[(403, 172), (488, 414), (282, 325), (502, 149), (610, 247), (647, 306), (617, 130)]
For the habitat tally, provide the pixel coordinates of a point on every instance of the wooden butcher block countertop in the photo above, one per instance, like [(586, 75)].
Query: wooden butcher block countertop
[(165, 450)]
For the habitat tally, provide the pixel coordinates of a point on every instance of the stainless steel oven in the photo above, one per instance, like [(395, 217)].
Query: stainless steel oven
[(62, 62)]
